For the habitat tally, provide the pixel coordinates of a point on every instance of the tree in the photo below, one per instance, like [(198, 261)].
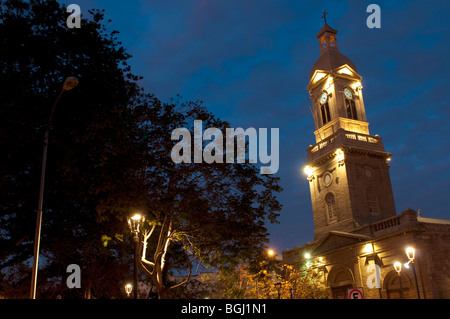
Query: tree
[(214, 213), (91, 147), (270, 281), (109, 154)]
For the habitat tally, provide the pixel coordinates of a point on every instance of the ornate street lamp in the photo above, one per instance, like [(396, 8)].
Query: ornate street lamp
[(398, 269), (411, 253), (136, 222), (128, 289), (69, 84)]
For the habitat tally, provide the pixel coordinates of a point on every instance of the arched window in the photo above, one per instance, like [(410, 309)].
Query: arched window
[(332, 41), (351, 109), (331, 207), (396, 290), (325, 109), (350, 105), (372, 201), (323, 43)]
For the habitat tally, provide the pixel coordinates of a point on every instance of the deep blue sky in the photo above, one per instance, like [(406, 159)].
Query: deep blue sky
[(249, 61)]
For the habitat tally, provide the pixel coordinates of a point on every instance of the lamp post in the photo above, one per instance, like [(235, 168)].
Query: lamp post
[(135, 222), (69, 84), (398, 269), (278, 288), (410, 253)]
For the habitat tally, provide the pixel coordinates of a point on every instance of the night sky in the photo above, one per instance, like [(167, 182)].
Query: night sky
[(249, 62)]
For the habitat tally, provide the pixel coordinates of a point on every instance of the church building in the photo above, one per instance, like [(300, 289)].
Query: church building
[(361, 247)]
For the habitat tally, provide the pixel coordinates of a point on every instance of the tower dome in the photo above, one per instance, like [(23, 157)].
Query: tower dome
[(330, 56)]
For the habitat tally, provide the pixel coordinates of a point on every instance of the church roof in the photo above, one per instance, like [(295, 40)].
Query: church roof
[(337, 239), (330, 57), (326, 28)]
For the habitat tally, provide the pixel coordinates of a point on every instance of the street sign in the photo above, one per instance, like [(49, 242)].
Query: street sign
[(355, 293)]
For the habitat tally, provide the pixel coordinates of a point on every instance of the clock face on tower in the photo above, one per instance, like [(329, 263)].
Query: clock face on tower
[(348, 93), (323, 98)]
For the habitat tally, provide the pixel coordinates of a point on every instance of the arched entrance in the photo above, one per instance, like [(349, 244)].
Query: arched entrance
[(392, 286), (340, 279)]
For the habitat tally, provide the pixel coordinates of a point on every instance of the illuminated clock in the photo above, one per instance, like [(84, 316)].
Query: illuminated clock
[(348, 93), (323, 98)]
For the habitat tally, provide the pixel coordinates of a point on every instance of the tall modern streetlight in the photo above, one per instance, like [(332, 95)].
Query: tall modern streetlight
[(410, 253), (136, 222), (69, 84)]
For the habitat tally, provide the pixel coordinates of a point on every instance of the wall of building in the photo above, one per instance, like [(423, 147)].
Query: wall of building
[(347, 260)]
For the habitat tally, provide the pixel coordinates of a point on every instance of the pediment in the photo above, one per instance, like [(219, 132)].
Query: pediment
[(344, 70), (337, 239)]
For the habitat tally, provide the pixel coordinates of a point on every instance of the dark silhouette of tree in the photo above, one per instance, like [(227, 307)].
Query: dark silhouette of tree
[(109, 155)]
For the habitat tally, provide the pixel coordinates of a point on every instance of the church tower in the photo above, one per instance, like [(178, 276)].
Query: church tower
[(347, 168)]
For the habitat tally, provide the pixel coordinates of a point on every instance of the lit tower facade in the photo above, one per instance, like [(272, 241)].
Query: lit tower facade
[(347, 168)]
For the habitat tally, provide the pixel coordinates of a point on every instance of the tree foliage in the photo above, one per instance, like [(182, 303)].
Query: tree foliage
[(109, 155), (270, 281)]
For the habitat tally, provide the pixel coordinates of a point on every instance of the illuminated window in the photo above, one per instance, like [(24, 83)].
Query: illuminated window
[(372, 201), (325, 110), (332, 41), (331, 207), (323, 43)]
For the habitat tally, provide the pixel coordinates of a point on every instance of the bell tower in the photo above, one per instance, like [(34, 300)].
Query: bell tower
[(347, 168)]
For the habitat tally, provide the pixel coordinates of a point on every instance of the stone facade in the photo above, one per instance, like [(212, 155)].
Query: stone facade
[(355, 173), (344, 259)]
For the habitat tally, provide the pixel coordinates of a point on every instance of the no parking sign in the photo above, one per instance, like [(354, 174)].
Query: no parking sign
[(355, 293)]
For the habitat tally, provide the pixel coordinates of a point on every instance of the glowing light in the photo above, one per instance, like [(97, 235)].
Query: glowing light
[(136, 217), (410, 253), (340, 156), (345, 71), (307, 255), (329, 84), (357, 85), (398, 267), (368, 248), (319, 76), (128, 289), (135, 222), (320, 261), (308, 170), (271, 252)]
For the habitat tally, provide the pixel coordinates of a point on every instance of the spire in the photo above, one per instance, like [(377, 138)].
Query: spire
[(324, 17), (330, 56)]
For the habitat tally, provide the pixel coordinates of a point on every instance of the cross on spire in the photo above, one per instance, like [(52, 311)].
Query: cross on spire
[(324, 17)]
